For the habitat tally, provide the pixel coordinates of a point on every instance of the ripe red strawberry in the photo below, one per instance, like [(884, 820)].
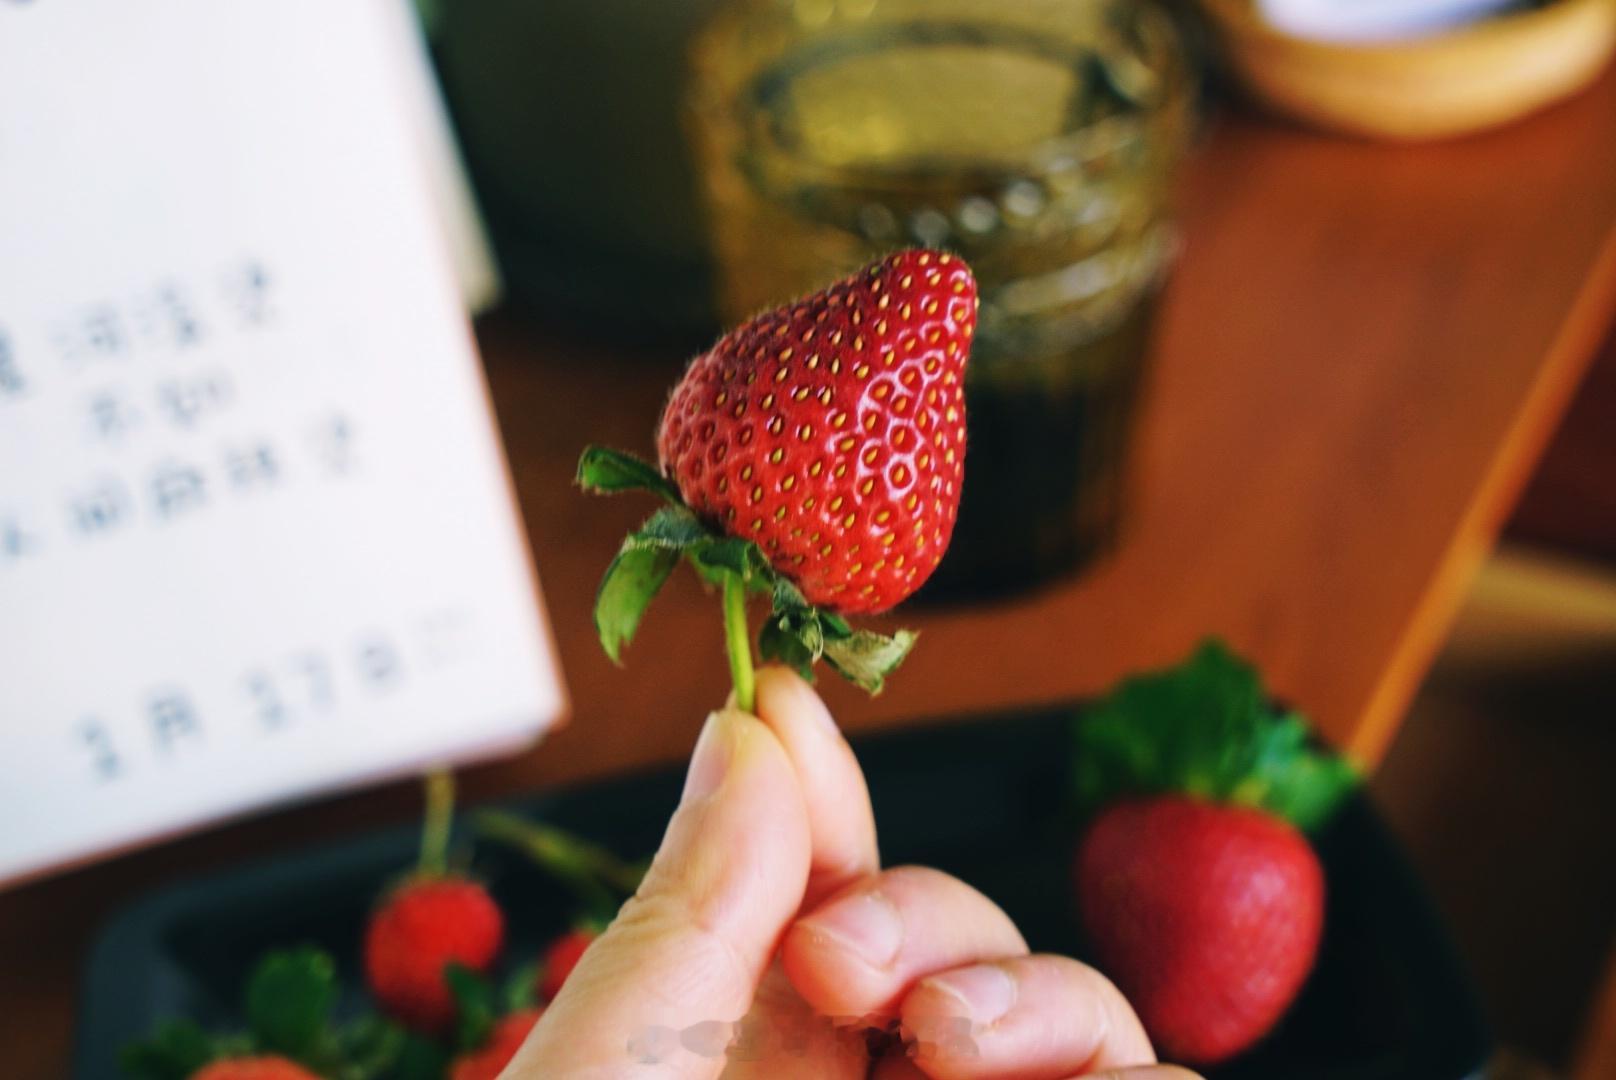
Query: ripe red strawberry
[(1207, 916), (253, 1068), (815, 456), (560, 958), (488, 1061), (831, 431), (1202, 897), (419, 930)]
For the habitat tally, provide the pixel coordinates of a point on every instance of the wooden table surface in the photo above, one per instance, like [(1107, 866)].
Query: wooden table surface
[(1362, 352)]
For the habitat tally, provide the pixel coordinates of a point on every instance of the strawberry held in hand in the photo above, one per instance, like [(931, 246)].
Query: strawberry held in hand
[(1202, 896), (815, 454), (832, 431)]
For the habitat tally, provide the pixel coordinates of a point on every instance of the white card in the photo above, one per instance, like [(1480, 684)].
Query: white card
[(256, 533)]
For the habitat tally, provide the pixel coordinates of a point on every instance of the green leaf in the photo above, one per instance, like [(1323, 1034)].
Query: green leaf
[(834, 625), (1205, 727), (174, 1051), (475, 1007), (368, 1047), (789, 598), (626, 591), (732, 555), (420, 1058), (522, 987), (867, 658), (1300, 784), (238, 1044), (289, 998), (672, 528), (797, 633), (722, 557), (639, 571), (605, 471), (792, 642)]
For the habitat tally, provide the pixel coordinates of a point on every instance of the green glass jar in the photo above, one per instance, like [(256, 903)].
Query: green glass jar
[(1037, 138)]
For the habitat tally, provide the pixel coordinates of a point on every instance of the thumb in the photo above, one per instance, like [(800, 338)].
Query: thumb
[(658, 993)]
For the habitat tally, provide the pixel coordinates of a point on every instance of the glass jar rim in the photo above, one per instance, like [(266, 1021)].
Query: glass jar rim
[(1078, 147)]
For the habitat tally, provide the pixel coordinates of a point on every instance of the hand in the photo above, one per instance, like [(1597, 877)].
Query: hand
[(765, 916)]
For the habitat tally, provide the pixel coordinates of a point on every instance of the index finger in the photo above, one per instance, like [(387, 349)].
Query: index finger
[(841, 823)]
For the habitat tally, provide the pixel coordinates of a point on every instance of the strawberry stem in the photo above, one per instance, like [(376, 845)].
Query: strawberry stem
[(436, 822), (599, 878), (738, 641)]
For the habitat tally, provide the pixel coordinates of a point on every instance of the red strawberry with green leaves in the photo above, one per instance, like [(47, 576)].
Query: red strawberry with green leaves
[(1199, 891), (254, 1068), (561, 956), (504, 1040), (433, 920), (815, 455), (422, 927)]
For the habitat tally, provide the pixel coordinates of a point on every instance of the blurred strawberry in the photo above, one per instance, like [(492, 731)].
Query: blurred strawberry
[(254, 1068), (1203, 899), (421, 928), (1207, 916), (560, 957), (433, 920)]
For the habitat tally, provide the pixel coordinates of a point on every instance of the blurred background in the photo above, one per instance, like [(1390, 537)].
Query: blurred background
[(1296, 329)]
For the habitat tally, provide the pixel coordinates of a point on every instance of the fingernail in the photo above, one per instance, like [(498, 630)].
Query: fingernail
[(710, 762), (866, 925), (985, 992)]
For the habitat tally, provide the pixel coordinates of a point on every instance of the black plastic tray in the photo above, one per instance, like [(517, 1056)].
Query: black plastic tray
[(983, 800)]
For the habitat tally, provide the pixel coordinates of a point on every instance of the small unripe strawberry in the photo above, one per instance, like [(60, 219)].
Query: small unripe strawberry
[(490, 1059), (254, 1068), (420, 929), (831, 431)]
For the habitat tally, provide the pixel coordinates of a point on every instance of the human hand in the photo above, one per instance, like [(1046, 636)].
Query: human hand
[(766, 940)]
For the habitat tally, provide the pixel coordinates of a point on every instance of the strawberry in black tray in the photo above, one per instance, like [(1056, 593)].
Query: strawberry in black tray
[(1196, 883)]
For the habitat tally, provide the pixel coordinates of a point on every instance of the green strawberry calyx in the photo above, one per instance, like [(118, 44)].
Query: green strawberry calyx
[(1206, 727), (796, 633), (288, 1004)]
